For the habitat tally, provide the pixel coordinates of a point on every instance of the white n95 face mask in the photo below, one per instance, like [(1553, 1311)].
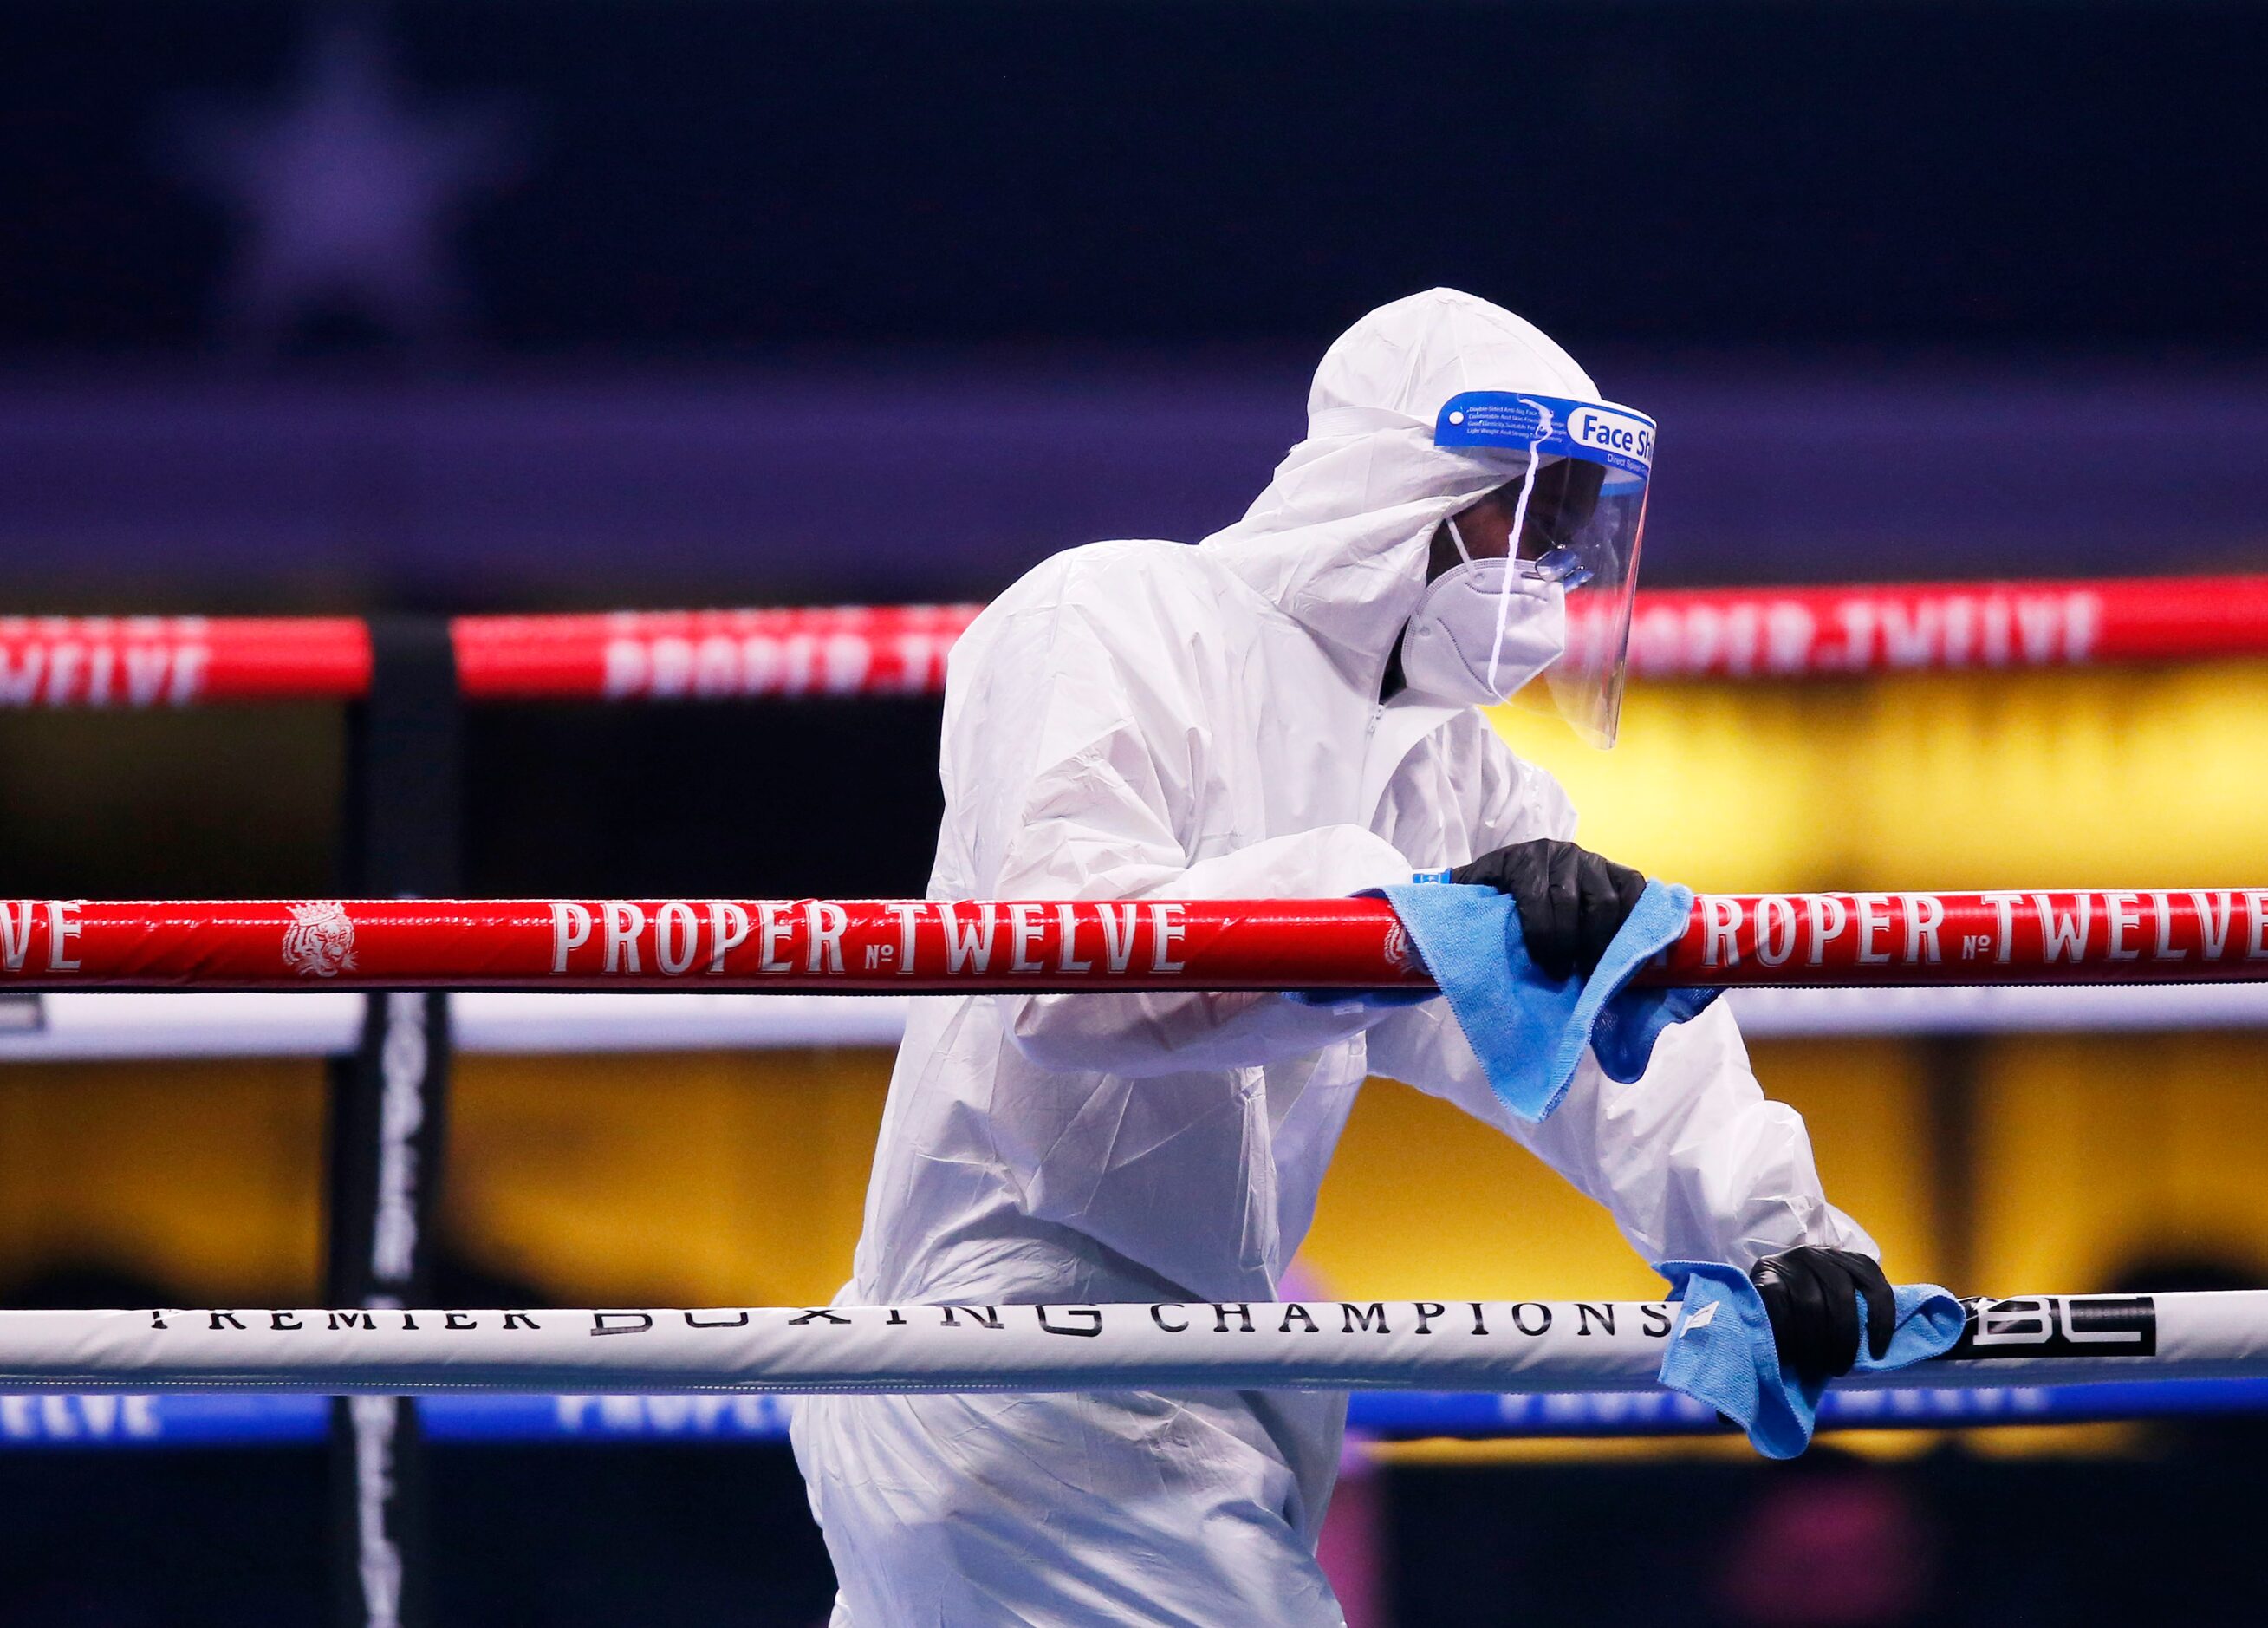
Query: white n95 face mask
[(1483, 629)]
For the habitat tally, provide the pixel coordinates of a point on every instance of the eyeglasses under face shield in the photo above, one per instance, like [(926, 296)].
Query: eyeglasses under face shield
[(1548, 511)]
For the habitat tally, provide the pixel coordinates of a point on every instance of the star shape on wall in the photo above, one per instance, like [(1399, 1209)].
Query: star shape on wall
[(347, 188)]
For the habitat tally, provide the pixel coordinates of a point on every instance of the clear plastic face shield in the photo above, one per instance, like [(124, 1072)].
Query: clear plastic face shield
[(1576, 517)]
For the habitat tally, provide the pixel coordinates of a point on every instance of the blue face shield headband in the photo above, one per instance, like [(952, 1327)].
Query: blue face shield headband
[(1579, 519)]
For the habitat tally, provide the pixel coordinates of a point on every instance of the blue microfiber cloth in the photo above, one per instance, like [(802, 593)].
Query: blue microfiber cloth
[(1528, 1027), (1721, 1353)]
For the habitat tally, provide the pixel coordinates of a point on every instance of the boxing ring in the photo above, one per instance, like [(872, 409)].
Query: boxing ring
[(849, 948), (389, 988)]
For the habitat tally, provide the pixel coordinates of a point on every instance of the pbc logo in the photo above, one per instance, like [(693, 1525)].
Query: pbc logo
[(2060, 1325)]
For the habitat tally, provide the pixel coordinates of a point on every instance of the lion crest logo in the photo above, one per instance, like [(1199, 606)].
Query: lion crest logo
[(320, 941), (1399, 955)]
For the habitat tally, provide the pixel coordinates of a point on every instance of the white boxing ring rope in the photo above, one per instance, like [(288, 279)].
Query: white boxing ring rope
[(1529, 1346), (69, 1027), (2206, 1356)]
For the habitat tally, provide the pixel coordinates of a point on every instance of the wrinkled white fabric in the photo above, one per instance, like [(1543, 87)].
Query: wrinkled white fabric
[(1141, 719)]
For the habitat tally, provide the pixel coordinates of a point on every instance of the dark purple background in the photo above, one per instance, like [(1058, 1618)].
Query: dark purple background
[(532, 486), (721, 300)]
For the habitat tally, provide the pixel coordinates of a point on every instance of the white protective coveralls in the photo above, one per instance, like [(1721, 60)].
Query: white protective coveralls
[(1149, 720)]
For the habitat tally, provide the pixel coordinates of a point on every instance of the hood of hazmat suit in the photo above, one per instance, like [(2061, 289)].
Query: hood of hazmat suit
[(1146, 720)]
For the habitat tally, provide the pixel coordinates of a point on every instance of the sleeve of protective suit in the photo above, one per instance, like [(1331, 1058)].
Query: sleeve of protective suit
[(1068, 765), (1692, 1160)]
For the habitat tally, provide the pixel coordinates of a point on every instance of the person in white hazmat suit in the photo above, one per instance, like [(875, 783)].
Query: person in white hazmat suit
[(1287, 709)]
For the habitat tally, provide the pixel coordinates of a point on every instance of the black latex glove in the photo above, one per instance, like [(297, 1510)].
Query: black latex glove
[(1811, 1296), (1571, 902)]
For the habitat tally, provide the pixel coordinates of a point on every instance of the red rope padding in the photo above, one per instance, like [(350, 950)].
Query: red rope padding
[(1827, 632), (874, 946), (674, 655), (899, 650), (142, 661)]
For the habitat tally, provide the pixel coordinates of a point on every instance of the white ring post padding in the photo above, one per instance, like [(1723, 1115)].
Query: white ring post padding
[(57, 1028), (1327, 1345)]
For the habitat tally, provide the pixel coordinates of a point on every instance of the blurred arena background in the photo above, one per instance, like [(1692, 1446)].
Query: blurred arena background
[(587, 304)]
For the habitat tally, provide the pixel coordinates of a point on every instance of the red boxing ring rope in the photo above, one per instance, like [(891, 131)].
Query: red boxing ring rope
[(908, 947), (1945, 627), (109, 661), (894, 650)]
